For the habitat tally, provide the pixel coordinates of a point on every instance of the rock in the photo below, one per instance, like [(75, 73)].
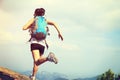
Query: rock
[(7, 74)]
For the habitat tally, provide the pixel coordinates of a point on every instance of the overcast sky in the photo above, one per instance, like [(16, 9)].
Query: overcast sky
[(91, 31)]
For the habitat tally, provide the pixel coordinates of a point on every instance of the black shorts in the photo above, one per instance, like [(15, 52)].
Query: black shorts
[(35, 46)]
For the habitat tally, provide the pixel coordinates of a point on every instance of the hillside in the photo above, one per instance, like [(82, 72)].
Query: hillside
[(7, 74)]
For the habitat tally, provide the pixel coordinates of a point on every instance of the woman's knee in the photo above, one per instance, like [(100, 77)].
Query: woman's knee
[(36, 62)]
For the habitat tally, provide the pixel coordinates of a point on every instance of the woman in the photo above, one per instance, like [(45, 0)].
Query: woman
[(37, 47)]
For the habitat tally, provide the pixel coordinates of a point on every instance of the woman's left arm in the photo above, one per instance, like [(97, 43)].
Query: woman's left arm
[(56, 27)]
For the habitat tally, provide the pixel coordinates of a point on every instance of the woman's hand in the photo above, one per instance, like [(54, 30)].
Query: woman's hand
[(60, 36)]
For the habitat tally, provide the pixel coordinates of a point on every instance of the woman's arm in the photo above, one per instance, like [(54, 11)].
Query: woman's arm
[(56, 27), (28, 24)]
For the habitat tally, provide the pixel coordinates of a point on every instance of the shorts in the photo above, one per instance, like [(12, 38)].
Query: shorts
[(35, 46)]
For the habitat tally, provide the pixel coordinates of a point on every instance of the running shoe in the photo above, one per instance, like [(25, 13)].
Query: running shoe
[(32, 77), (51, 57)]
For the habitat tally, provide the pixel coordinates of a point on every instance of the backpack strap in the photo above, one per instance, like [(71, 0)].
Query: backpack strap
[(46, 44)]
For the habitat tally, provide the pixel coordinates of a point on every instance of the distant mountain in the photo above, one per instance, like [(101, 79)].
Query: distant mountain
[(44, 75), (7, 74), (92, 78), (61, 79)]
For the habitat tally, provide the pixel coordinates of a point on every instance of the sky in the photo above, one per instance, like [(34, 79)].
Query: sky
[(90, 28)]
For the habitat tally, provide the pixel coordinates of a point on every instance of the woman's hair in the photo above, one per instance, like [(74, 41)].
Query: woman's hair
[(39, 12)]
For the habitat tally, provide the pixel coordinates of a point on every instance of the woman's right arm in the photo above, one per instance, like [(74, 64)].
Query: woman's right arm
[(28, 24)]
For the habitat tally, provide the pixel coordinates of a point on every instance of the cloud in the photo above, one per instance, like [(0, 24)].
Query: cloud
[(5, 17), (97, 15), (5, 37), (16, 7)]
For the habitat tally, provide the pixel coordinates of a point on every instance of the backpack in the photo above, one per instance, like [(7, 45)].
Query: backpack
[(38, 30)]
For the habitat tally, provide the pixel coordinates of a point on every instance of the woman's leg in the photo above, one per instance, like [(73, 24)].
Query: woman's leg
[(38, 60), (36, 56), (42, 60)]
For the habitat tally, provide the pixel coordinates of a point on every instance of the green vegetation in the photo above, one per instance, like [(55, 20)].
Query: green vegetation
[(109, 75)]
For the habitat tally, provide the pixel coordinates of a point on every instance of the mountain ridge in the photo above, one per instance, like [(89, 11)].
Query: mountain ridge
[(7, 74)]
